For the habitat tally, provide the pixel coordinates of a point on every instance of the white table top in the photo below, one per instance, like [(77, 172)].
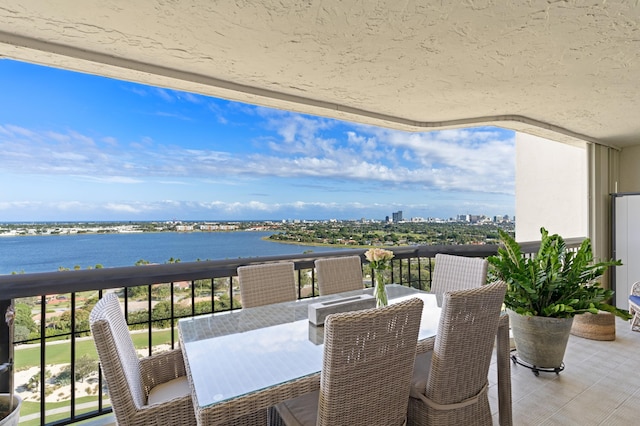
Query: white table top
[(231, 354)]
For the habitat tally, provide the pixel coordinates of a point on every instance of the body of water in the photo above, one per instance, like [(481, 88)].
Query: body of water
[(47, 253)]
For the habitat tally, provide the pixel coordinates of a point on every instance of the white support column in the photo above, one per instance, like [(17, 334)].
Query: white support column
[(603, 177), (551, 188)]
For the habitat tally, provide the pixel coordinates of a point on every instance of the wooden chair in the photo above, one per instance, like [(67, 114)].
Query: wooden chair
[(366, 370), (267, 283), (339, 274), (449, 385), (148, 391), (457, 273)]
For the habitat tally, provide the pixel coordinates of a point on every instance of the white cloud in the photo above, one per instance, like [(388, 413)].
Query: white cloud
[(466, 160), (190, 97), (300, 134), (71, 206), (126, 208), (164, 94), (58, 136), (193, 210), (19, 205), (112, 179), (173, 115), (68, 156), (21, 131), (111, 141), (82, 138)]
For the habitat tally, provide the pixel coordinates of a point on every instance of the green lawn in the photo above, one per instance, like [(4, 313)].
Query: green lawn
[(60, 352), (29, 407)]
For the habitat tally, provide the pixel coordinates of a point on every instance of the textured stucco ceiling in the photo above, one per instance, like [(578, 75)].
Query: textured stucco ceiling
[(562, 69)]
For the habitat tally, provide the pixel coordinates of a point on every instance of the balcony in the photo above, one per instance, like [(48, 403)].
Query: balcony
[(595, 388), (59, 350), (494, 83)]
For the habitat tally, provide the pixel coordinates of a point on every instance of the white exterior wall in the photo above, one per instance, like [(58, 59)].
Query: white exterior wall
[(551, 188)]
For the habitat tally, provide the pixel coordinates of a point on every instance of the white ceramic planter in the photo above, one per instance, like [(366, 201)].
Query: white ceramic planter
[(11, 419)]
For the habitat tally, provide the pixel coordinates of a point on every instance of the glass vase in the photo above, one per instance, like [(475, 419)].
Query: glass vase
[(380, 290)]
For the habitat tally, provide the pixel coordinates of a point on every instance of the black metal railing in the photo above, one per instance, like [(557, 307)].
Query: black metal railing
[(155, 298)]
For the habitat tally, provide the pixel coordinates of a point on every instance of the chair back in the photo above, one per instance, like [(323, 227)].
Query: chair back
[(117, 355), (464, 343), (367, 365), (267, 283), (458, 273), (339, 274)]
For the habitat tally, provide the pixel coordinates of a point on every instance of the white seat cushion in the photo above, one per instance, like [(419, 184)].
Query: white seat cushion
[(172, 389), (299, 411), (421, 369)]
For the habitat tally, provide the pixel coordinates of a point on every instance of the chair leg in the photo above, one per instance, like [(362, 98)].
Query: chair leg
[(635, 322), (274, 418)]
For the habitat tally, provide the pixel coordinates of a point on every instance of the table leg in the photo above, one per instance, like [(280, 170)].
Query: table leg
[(504, 372)]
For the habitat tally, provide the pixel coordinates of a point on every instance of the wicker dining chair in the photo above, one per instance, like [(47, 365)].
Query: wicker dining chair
[(449, 385), (339, 274), (366, 370), (634, 306), (147, 391), (457, 273), (267, 283)]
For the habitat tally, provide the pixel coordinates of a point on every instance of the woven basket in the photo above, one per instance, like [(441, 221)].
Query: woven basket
[(600, 326)]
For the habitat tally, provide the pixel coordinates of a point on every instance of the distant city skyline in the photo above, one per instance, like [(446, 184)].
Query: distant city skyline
[(456, 218), (78, 147)]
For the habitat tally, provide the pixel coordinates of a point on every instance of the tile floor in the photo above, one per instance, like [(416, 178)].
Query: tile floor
[(600, 385)]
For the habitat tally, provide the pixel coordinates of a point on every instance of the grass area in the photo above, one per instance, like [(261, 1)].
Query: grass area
[(29, 407), (60, 351), (32, 407)]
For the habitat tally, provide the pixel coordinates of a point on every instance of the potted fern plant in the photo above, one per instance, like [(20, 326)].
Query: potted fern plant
[(544, 293)]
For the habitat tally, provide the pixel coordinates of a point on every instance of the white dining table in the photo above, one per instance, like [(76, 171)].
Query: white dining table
[(245, 361)]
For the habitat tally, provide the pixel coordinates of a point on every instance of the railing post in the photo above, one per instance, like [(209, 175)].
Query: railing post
[(5, 347)]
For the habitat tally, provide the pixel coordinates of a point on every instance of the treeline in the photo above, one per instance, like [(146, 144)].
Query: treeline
[(390, 234)]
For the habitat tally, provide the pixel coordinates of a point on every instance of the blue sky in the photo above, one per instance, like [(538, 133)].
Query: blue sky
[(76, 147)]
